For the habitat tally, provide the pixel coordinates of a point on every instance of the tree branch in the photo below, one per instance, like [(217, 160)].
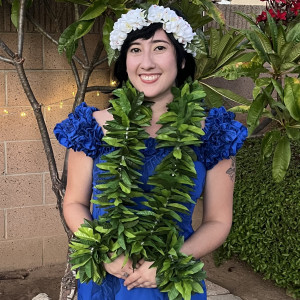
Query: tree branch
[(102, 89), (21, 28), (7, 60), (6, 49), (99, 62)]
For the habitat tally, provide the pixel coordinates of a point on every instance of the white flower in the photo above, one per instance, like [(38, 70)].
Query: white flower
[(139, 18)]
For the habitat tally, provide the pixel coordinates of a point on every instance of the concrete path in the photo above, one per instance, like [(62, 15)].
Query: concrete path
[(214, 292)]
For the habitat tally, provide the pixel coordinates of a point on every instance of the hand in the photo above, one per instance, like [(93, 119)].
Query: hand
[(144, 276), (115, 268)]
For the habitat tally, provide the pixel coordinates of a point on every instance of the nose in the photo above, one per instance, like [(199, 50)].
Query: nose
[(147, 62)]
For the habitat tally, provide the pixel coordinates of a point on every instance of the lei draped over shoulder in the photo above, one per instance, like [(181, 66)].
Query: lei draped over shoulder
[(223, 135)]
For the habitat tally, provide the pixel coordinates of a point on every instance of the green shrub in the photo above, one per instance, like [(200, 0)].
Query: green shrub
[(266, 226)]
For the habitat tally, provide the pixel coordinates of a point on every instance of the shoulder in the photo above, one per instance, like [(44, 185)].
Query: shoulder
[(102, 116), (80, 131), (223, 137)]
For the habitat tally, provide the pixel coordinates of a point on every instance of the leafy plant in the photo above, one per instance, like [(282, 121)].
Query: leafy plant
[(274, 66), (265, 230)]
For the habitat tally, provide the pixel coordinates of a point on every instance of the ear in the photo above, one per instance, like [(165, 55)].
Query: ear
[(183, 64)]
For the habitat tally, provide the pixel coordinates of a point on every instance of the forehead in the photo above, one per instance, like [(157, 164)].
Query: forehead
[(159, 35)]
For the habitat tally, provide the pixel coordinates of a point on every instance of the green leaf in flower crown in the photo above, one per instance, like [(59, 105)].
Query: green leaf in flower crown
[(292, 96), (281, 159)]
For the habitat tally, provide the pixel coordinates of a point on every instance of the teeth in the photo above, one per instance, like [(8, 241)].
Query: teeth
[(149, 77)]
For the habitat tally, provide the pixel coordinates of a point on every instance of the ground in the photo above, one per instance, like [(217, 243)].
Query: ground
[(233, 275)]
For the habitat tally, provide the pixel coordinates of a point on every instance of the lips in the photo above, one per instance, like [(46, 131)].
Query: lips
[(149, 78)]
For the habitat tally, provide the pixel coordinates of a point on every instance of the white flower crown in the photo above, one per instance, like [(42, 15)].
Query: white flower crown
[(139, 18)]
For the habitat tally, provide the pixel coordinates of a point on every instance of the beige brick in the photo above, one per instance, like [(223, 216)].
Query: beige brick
[(52, 59), (97, 100), (100, 77), (21, 254), (48, 87), (2, 224), (21, 190), (2, 160), (32, 52), (15, 127), (29, 157), (50, 197), (2, 90), (55, 250), (35, 221), (55, 115)]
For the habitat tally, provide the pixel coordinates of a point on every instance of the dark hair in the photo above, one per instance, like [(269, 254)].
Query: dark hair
[(146, 33)]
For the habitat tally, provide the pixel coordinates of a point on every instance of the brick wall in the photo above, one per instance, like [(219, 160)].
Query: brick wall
[(31, 234)]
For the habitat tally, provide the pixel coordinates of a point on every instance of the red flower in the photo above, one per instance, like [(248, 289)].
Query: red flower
[(281, 15), (262, 17), (272, 13)]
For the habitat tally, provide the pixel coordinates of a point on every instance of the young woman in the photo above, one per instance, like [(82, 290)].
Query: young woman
[(154, 56)]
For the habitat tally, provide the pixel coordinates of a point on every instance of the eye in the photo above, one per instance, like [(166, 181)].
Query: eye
[(160, 48), (134, 50)]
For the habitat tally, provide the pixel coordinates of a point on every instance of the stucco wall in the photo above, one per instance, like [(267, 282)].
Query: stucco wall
[(31, 234)]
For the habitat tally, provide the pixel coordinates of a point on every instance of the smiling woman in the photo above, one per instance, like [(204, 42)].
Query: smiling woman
[(179, 161)]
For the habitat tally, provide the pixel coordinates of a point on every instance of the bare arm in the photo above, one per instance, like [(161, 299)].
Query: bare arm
[(79, 188), (217, 211)]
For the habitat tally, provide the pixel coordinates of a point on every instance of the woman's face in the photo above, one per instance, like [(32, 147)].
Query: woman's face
[(151, 66)]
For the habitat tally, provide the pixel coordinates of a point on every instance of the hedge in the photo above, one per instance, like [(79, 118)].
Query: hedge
[(266, 226)]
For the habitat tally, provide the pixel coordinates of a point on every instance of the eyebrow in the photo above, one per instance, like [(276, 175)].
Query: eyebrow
[(154, 42)]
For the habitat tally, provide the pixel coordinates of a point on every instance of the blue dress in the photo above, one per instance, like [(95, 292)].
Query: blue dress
[(80, 131)]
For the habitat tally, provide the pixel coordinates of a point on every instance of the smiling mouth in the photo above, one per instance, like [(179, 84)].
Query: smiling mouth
[(149, 78)]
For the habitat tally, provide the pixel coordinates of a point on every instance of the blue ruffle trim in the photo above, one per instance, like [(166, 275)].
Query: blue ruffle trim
[(223, 137), (80, 131)]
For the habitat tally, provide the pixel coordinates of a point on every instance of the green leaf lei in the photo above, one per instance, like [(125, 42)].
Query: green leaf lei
[(150, 234)]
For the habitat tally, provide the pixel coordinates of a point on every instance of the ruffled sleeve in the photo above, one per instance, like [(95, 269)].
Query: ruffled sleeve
[(80, 131), (223, 137)]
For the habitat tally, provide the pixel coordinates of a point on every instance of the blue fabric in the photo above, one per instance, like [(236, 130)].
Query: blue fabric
[(223, 138)]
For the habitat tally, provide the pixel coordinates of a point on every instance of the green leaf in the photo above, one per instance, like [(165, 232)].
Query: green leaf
[(294, 54), (281, 159), (278, 88), (292, 96), (273, 31), (240, 109), (293, 133), (177, 153), (255, 112), (107, 28), (94, 10), (228, 94), (68, 39), (268, 142), (293, 33), (247, 18), (212, 99), (15, 9)]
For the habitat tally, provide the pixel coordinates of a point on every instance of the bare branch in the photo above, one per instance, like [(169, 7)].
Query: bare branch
[(75, 73), (7, 60), (82, 44), (99, 62), (76, 58), (102, 89), (21, 28), (41, 30), (6, 49)]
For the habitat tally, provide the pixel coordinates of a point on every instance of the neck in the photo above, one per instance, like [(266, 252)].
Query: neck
[(158, 108)]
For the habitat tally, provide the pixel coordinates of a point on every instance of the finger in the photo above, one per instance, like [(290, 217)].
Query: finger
[(134, 284), (132, 278)]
